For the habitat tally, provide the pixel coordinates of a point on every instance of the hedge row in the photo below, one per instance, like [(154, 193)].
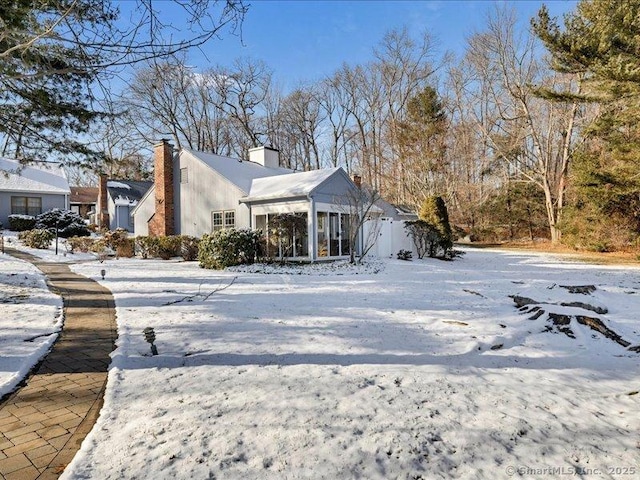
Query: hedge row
[(122, 245)]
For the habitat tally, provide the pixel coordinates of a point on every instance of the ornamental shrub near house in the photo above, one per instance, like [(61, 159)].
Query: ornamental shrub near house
[(69, 224), (189, 248), (21, 223), (225, 248), (37, 238), (169, 246)]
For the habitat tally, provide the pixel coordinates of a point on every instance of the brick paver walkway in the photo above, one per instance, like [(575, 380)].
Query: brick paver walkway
[(43, 423)]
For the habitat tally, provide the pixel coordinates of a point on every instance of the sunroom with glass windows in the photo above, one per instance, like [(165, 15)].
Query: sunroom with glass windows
[(304, 216)]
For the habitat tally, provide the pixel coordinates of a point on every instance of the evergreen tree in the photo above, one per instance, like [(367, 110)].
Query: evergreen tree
[(434, 212), (601, 41), (54, 53)]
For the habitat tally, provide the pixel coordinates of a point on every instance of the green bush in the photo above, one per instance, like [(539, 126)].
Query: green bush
[(169, 246), (225, 248), (21, 223), (37, 238), (146, 246), (426, 238), (434, 212)]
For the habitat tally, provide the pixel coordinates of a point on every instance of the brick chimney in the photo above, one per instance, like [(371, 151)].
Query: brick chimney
[(357, 180), (102, 209), (162, 222)]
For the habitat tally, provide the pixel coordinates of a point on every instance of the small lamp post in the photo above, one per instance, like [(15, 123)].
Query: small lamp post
[(150, 336), (103, 272), (57, 230)]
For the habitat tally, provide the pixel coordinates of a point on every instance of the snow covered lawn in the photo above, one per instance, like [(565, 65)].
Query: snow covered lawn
[(30, 316), (423, 370)]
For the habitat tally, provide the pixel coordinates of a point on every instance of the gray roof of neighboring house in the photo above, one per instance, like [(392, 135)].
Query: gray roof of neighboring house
[(127, 192), (84, 195), (41, 177), (289, 186), (397, 212), (239, 172)]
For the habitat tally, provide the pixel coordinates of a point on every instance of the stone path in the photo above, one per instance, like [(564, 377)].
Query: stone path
[(43, 423)]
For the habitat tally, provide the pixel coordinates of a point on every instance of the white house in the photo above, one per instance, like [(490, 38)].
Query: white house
[(196, 193), (32, 188)]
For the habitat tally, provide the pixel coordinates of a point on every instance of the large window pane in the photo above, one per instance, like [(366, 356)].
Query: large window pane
[(302, 238), (34, 206), (345, 234), (26, 206), (18, 205), (334, 233), (323, 234)]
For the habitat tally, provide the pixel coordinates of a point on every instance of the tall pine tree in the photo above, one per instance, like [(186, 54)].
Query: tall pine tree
[(601, 40)]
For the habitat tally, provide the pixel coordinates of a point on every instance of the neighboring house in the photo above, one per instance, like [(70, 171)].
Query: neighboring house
[(116, 201), (196, 193), (32, 188), (83, 201)]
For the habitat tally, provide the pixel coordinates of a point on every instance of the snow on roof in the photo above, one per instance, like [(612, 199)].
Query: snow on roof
[(127, 192), (41, 177), (287, 186), (116, 184), (239, 172)]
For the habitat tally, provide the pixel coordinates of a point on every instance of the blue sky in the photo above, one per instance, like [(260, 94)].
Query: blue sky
[(304, 40)]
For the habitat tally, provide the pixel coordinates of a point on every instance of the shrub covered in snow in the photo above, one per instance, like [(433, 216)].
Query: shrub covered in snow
[(189, 248), (225, 248), (21, 223), (69, 224), (146, 246), (37, 238)]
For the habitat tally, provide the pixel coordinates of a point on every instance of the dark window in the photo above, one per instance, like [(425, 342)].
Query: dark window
[(26, 206)]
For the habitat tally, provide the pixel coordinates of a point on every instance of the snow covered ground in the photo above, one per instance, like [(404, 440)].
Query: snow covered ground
[(425, 369), (30, 317)]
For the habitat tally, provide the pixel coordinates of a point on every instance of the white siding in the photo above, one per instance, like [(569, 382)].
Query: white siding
[(205, 192), (144, 212)]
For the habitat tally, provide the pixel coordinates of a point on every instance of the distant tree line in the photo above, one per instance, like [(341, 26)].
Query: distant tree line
[(532, 133)]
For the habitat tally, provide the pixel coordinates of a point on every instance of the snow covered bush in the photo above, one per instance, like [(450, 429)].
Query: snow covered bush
[(21, 223), (38, 238), (69, 224), (225, 248), (404, 255), (189, 248), (146, 246)]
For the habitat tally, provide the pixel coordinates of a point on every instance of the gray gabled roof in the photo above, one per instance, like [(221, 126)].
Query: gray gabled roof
[(239, 172), (40, 177), (127, 192)]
